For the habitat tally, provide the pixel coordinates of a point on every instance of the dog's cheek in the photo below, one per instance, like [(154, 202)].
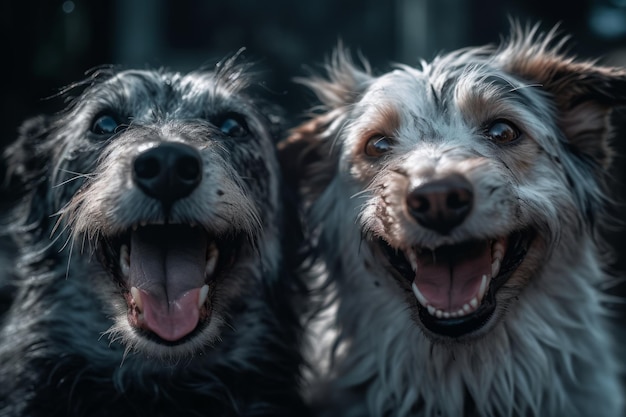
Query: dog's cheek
[(68, 178), (520, 158), (363, 171), (258, 170), (256, 167)]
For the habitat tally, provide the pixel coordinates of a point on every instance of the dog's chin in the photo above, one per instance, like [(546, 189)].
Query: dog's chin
[(456, 287), (167, 275)]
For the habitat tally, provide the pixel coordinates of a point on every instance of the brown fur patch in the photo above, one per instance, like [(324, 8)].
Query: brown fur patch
[(306, 155), (581, 92), (385, 121)]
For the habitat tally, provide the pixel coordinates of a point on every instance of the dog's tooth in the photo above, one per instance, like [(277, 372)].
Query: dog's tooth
[(467, 308), (497, 250), (143, 223), (439, 313), (495, 267), (210, 267), (418, 294), (446, 315), (473, 303), (454, 314), (124, 260), (204, 292), (431, 310), (460, 313), (211, 259), (134, 292), (410, 255), (483, 287)]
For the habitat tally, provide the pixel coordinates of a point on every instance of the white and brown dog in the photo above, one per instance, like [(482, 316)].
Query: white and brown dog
[(456, 209)]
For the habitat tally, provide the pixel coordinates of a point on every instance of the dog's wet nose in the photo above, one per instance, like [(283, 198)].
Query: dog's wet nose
[(168, 172), (441, 204)]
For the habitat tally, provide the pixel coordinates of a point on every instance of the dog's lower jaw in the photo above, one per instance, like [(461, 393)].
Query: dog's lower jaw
[(476, 270), (183, 309), (516, 360)]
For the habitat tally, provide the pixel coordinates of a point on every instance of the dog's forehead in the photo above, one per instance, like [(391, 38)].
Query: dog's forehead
[(404, 103), (162, 80), (142, 92), (402, 87), (449, 94)]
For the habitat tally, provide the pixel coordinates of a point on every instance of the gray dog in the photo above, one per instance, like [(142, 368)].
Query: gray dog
[(150, 279)]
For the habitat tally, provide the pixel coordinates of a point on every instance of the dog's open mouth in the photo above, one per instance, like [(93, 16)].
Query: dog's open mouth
[(167, 274), (455, 285)]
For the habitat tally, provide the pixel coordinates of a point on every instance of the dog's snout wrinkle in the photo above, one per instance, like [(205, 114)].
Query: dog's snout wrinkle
[(441, 204), (168, 172)]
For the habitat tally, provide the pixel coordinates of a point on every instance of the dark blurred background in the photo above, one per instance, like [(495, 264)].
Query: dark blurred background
[(49, 43)]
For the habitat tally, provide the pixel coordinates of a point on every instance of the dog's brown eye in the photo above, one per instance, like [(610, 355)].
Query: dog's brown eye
[(233, 126), (502, 131), (105, 125), (377, 145)]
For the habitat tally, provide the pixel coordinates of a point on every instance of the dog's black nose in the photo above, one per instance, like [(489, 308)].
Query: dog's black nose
[(168, 172), (441, 204)]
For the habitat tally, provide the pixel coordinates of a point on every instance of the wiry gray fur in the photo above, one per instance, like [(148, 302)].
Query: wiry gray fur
[(547, 350), (66, 346)]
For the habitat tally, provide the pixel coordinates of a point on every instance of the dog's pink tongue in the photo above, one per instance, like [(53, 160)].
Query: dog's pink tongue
[(449, 278), (167, 266), (174, 320)]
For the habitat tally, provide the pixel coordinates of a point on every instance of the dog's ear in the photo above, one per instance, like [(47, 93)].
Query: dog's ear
[(584, 93), (308, 151), (344, 83), (306, 154), (24, 158), (26, 178)]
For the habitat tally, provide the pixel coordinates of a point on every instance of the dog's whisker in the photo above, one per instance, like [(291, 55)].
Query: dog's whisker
[(77, 175), (519, 87), (366, 193), (60, 215), (127, 351), (57, 223), (55, 237), (69, 180), (69, 255), (85, 240)]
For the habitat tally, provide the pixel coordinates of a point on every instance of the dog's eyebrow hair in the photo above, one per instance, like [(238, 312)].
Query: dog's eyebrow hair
[(508, 89), (436, 98)]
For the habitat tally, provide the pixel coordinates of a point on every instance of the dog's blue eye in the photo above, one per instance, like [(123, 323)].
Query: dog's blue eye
[(377, 145), (234, 126), (502, 131), (105, 125)]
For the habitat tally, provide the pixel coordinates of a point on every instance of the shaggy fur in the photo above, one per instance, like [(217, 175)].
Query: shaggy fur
[(418, 182), (150, 280)]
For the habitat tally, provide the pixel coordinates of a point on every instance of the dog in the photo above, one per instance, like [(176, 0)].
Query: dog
[(150, 279), (456, 209)]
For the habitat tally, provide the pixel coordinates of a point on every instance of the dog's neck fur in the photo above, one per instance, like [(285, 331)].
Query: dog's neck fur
[(547, 366)]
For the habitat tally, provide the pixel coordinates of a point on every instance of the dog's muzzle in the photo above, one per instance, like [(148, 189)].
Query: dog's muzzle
[(454, 284)]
